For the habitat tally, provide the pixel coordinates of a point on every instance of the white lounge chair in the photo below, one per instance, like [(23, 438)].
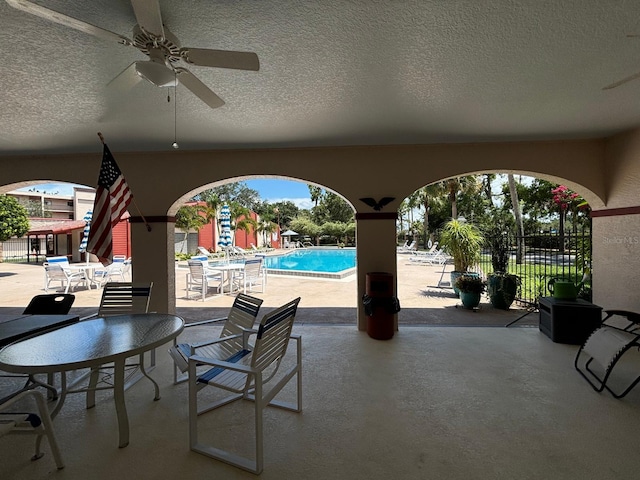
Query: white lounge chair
[(204, 251), (604, 348), (250, 374), (410, 248)]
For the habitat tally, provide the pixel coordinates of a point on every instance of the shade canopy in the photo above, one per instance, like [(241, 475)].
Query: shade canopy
[(289, 233)]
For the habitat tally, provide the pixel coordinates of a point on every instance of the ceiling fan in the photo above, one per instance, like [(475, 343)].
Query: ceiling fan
[(153, 39)]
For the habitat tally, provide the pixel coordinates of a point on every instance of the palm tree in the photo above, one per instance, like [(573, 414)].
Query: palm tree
[(241, 217), (517, 213), (188, 218), (315, 193)]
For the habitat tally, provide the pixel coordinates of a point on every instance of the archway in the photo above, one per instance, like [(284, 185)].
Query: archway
[(331, 295)]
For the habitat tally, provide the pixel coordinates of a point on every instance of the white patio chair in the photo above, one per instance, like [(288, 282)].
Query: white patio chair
[(56, 273), (241, 317), (253, 274), (200, 278), (120, 298), (39, 424), (250, 374)]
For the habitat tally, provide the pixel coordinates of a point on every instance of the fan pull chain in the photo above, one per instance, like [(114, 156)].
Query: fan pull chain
[(175, 113)]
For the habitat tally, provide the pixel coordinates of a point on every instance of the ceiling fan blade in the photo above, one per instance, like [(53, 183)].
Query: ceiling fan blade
[(199, 89), (620, 82), (125, 80), (56, 17), (221, 58), (148, 15)]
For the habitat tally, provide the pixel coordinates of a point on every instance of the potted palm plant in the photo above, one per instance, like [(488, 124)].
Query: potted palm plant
[(501, 285), (463, 241), (471, 289)]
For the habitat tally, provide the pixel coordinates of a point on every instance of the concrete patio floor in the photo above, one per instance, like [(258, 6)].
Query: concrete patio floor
[(433, 402)]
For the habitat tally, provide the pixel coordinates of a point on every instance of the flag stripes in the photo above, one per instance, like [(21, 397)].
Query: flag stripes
[(112, 199)]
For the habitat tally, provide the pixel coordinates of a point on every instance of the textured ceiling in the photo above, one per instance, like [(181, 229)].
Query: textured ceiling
[(331, 73)]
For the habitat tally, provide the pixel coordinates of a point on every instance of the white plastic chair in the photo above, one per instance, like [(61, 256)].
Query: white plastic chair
[(250, 374), (253, 274), (56, 273), (201, 279), (39, 424)]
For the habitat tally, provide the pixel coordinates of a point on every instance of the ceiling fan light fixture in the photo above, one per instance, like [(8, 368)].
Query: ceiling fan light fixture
[(158, 74)]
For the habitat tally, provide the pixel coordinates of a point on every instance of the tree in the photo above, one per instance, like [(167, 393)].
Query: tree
[(517, 214), (14, 221), (241, 218), (287, 211), (306, 227), (315, 193), (34, 208), (332, 208), (190, 217)]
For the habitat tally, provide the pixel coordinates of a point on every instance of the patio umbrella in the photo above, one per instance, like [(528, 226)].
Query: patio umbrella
[(289, 234), (85, 237), (225, 229)]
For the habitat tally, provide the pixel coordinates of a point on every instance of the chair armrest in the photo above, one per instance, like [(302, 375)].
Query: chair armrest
[(631, 316), (203, 322), (193, 346), (198, 360)]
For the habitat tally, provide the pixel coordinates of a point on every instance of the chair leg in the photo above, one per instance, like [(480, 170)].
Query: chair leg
[(48, 431)]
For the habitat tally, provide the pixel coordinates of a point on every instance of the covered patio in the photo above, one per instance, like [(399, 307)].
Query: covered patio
[(434, 402)]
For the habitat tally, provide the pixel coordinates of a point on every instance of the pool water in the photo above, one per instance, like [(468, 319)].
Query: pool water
[(321, 262)]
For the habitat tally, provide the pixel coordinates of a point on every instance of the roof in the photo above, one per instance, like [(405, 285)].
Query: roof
[(55, 227)]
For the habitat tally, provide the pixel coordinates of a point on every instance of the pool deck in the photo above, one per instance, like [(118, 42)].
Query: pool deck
[(324, 301)]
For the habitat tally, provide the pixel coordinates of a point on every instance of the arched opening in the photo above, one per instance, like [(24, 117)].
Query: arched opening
[(532, 230), (317, 258)]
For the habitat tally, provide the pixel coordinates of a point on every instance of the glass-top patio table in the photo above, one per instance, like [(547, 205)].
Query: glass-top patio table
[(90, 344)]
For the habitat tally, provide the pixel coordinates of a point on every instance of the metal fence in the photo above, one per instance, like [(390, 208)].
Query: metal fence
[(545, 257), (22, 250)]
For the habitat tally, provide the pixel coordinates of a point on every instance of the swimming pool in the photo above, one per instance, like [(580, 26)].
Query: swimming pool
[(314, 262)]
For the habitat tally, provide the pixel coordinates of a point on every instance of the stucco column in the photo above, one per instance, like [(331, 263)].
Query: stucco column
[(153, 260), (376, 252)]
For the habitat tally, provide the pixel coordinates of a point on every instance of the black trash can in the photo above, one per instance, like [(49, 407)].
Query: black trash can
[(380, 305)]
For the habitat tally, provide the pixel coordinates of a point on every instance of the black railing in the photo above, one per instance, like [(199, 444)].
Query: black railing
[(544, 257)]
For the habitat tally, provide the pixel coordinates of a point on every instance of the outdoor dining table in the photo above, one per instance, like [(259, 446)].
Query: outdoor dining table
[(228, 270), (89, 270), (19, 326), (90, 344)]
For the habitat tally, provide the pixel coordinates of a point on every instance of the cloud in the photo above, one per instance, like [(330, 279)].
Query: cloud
[(302, 203)]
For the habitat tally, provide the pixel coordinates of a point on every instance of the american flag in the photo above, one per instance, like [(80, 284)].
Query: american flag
[(112, 199)]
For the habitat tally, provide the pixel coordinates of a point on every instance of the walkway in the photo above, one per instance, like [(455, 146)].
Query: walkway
[(323, 301)]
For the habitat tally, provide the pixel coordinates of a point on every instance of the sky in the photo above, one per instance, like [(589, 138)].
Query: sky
[(272, 190)]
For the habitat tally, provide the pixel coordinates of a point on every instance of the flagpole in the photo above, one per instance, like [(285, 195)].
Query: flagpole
[(132, 197)]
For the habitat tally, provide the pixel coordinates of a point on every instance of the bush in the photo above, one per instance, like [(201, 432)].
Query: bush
[(470, 284)]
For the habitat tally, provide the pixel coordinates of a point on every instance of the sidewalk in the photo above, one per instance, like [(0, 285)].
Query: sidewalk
[(323, 301)]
